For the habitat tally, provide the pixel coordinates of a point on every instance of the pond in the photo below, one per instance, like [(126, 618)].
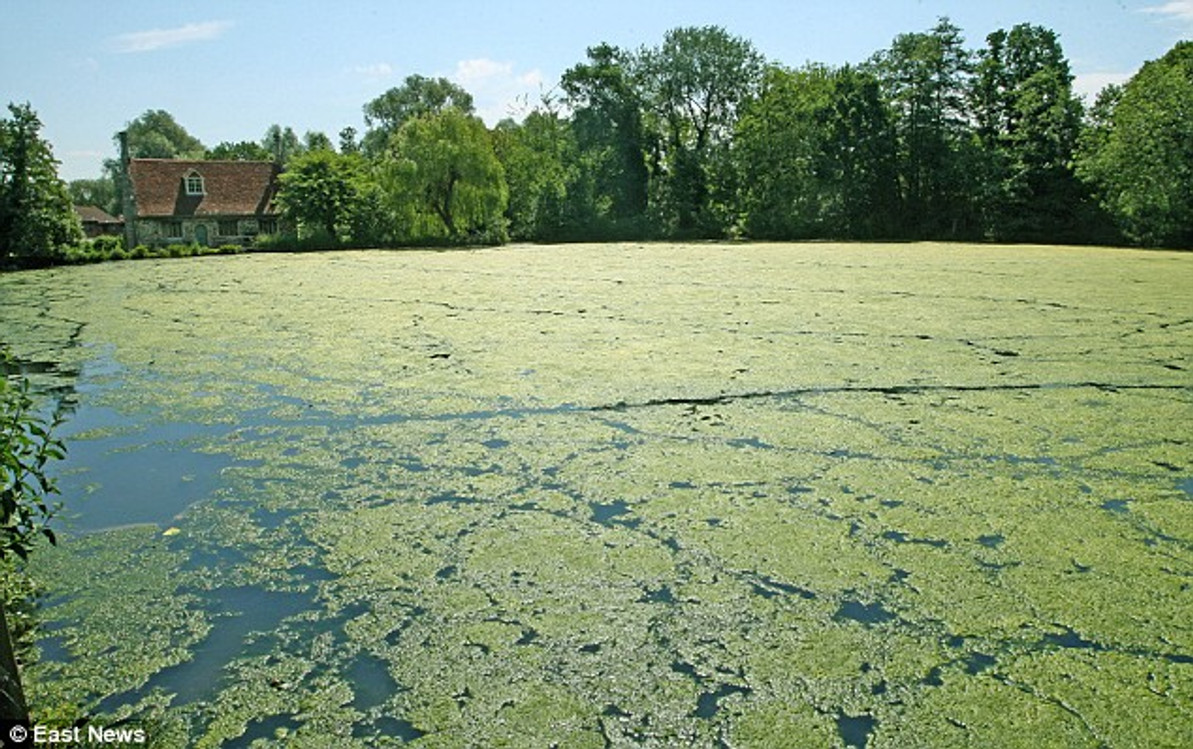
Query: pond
[(589, 495)]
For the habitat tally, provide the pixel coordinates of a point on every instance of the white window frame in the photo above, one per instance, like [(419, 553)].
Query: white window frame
[(193, 182)]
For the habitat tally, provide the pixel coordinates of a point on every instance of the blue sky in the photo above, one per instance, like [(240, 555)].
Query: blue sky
[(227, 70)]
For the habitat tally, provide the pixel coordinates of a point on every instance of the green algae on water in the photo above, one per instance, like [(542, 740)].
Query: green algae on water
[(758, 495)]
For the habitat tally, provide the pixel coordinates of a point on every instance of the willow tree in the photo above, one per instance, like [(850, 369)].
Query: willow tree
[(444, 179)]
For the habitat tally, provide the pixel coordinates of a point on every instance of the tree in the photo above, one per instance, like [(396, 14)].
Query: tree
[(610, 183), (245, 150), (925, 79), (417, 96), (1138, 151), (37, 217), (537, 157), (1027, 122), (156, 135), (281, 143), (694, 83), (314, 140), (780, 140), (348, 142), (815, 148), (99, 192), (444, 179), (321, 193)]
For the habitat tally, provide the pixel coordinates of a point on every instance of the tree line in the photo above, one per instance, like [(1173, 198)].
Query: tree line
[(700, 137)]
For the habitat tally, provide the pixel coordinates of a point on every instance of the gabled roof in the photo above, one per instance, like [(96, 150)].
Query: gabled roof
[(94, 214), (230, 188)]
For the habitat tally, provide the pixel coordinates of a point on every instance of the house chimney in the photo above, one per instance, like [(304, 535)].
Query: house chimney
[(122, 136), (128, 204)]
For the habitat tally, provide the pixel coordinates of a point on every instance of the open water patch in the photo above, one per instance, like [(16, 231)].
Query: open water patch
[(708, 704), (272, 727), (608, 513), (372, 684), (864, 613), (238, 612), (855, 730), (1186, 485)]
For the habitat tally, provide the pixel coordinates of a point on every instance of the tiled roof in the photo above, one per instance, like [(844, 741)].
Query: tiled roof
[(230, 187), (98, 215)]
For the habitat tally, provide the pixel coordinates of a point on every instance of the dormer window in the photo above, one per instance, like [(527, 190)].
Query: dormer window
[(194, 183)]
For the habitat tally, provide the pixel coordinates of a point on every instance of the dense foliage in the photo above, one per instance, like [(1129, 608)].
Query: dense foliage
[(701, 137), (37, 221), (1138, 151), (26, 447)]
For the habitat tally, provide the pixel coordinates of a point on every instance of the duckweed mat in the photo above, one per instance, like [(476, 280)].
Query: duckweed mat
[(622, 495)]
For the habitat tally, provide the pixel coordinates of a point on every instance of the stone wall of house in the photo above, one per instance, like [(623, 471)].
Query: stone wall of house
[(187, 231)]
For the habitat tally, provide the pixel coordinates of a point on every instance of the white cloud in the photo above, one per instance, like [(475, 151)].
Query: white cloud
[(1177, 15), (1180, 9), (373, 71), (155, 39), (497, 89), (1088, 85)]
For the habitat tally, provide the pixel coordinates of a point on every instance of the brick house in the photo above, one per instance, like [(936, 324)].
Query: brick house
[(179, 201), (98, 222)]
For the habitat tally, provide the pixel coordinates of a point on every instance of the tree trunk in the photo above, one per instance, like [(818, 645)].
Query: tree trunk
[(12, 696)]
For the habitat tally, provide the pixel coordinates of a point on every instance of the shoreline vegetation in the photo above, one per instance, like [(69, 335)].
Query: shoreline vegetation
[(696, 138)]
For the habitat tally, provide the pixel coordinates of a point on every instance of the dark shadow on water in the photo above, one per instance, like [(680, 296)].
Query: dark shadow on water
[(52, 649), (753, 442), (902, 538), (770, 588), (273, 519), (976, 663)]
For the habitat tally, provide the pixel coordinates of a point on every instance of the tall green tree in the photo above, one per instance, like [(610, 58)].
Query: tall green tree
[(538, 157), (37, 217), (816, 151), (780, 141), (282, 143), (348, 141), (444, 179), (609, 190), (417, 96), (323, 193), (1138, 152), (313, 140), (694, 83), (1027, 122), (157, 135), (925, 78), (245, 150)]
